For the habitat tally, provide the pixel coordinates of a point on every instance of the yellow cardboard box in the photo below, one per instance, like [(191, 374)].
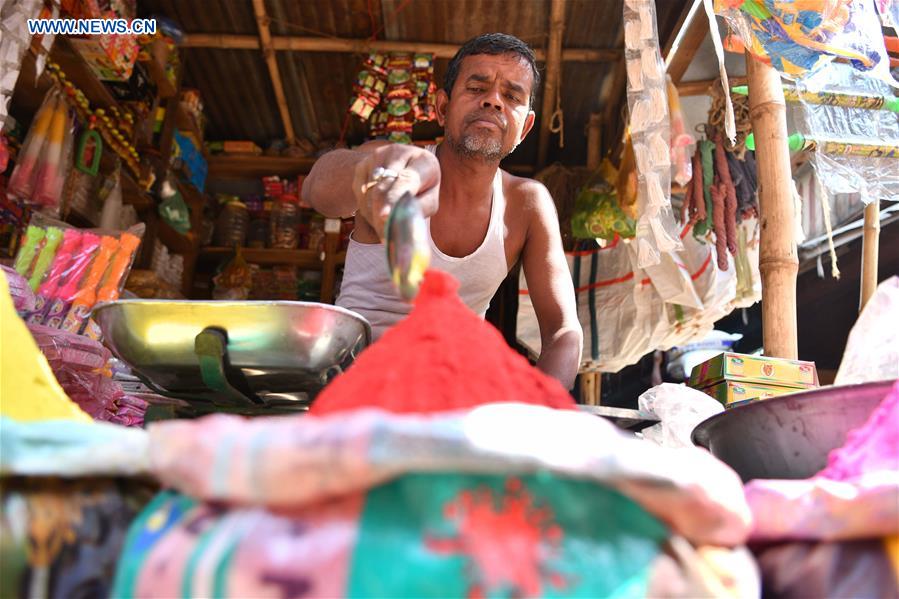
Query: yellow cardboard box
[(743, 368)]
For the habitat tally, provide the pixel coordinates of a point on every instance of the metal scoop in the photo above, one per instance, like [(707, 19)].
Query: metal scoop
[(408, 250)]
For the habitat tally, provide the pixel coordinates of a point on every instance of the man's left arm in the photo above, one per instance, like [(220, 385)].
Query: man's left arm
[(550, 288)]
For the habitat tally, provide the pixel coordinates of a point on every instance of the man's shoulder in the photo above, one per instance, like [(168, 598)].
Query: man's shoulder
[(525, 192)]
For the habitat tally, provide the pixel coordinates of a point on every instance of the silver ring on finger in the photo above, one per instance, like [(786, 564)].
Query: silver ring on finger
[(381, 173)]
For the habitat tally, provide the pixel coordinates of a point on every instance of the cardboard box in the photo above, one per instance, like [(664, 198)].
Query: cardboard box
[(735, 392), (735, 367)]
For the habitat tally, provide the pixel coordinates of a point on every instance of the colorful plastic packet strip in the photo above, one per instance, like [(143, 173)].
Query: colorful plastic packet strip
[(798, 142), (106, 289), (91, 251), (33, 237), (52, 238), (47, 290), (825, 98)]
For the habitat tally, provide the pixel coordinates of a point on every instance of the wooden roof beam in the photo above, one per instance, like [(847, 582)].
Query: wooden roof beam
[(363, 46), (553, 73), (682, 54), (701, 88), (268, 50)]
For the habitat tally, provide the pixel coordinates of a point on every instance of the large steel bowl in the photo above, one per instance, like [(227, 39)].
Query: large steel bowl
[(241, 356), (788, 436)]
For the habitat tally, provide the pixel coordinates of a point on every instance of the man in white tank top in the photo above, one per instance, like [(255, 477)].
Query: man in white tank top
[(481, 219)]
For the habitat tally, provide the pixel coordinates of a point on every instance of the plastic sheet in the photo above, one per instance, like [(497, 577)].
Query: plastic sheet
[(872, 350), (421, 536), (620, 307), (23, 298), (680, 409), (650, 132), (874, 177), (289, 462), (72, 449)]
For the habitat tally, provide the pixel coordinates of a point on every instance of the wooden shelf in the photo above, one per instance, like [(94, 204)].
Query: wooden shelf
[(78, 72), (225, 166), (307, 259), (133, 195), (155, 65), (186, 123), (175, 241)]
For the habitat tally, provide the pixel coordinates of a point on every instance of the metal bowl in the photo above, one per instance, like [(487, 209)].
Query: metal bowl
[(788, 436), (235, 356)]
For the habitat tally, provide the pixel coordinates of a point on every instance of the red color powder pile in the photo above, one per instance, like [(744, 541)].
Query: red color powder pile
[(441, 357)]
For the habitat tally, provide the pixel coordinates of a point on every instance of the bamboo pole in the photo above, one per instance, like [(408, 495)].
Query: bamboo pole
[(364, 46), (870, 251), (551, 84), (265, 41), (778, 259), (591, 382), (594, 140)]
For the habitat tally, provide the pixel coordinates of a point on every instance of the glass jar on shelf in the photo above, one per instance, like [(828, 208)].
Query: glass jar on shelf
[(231, 225), (284, 223)]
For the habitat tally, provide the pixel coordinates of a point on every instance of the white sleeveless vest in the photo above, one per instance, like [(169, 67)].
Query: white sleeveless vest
[(367, 289)]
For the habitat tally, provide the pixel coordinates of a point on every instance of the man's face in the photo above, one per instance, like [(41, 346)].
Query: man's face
[(488, 113)]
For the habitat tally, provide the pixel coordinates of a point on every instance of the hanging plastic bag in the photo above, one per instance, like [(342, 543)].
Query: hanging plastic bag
[(173, 209), (649, 129), (597, 211), (681, 141), (45, 158), (14, 42), (111, 216)]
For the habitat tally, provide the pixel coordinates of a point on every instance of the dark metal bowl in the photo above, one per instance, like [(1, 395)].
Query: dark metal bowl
[(788, 436)]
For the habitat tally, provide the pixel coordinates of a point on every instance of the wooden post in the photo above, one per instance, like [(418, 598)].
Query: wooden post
[(591, 388), (870, 250), (268, 50), (551, 84), (594, 140), (329, 260), (778, 259)]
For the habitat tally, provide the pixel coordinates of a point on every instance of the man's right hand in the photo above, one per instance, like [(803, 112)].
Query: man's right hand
[(417, 172)]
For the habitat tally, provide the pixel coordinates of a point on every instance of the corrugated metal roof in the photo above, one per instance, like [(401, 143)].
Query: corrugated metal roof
[(240, 102)]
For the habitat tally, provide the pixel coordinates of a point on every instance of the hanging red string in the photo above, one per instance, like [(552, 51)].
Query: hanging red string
[(399, 8), (346, 124), (371, 19)]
